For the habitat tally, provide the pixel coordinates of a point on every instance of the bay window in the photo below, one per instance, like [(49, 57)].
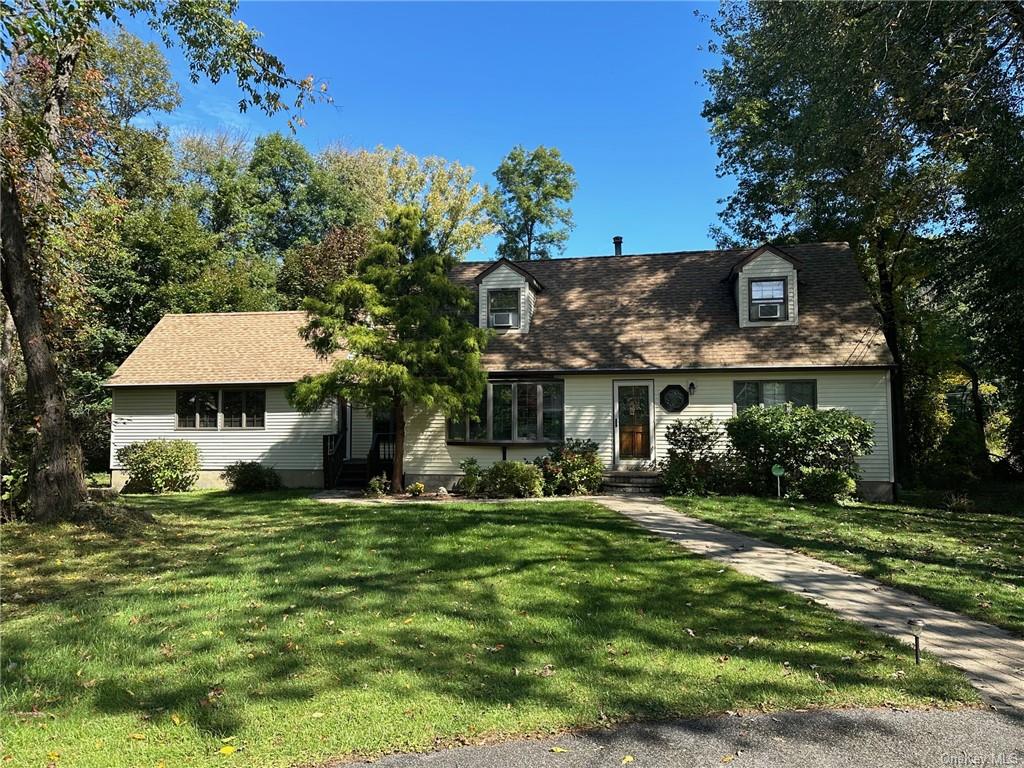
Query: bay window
[(514, 411)]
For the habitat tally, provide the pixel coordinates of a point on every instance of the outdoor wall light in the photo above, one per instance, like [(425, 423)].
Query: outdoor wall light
[(693, 388)]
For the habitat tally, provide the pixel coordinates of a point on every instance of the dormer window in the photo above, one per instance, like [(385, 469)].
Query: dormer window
[(503, 308), (768, 299)]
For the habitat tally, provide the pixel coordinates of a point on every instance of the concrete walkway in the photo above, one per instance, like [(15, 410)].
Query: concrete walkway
[(991, 658), (879, 738)]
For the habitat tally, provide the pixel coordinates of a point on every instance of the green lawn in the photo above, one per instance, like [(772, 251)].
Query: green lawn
[(971, 562), (293, 631)]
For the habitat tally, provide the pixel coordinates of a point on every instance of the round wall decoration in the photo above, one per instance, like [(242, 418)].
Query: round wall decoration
[(674, 398)]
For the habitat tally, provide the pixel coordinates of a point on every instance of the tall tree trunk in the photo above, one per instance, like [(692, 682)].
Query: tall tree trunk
[(978, 405), (891, 331), (398, 467), (6, 355), (6, 371), (56, 480)]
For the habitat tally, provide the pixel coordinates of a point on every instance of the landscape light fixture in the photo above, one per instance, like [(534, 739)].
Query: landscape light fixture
[(916, 627)]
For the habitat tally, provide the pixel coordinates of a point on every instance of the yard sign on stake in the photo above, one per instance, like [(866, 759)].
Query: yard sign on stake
[(778, 471)]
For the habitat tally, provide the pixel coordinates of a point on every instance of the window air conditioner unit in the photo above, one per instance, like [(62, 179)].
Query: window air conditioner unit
[(769, 311), (503, 319)]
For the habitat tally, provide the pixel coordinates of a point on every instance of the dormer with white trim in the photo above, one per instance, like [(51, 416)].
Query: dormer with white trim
[(507, 295), (765, 286)]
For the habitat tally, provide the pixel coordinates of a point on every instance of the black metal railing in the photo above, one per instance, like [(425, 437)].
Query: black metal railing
[(381, 457)]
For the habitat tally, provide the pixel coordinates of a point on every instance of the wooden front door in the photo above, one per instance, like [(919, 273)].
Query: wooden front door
[(633, 421)]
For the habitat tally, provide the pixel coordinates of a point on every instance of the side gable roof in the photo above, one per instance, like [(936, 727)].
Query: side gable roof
[(221, 348), (515, 267), (766, 248), (650, 312), (673, 311)]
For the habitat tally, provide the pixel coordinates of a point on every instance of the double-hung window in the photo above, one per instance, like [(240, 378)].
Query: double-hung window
[(515, 411), (768, 299), (197, 408), (221, 409), (748, 393), (243, 408), (503, 308)]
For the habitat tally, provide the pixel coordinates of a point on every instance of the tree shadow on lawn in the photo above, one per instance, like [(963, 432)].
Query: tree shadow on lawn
[(898, 540), (968, 529), (563, 607)]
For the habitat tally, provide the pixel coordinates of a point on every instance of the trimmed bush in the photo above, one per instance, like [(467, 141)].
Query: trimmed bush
[(694, 462), (244, 476), (512, 479), (159, 466), (825, 485), (795, 438), (571, 468), (471, 476)]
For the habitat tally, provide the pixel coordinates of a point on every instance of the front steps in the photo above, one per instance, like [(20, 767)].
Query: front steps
[(632, 482), (353, 474)]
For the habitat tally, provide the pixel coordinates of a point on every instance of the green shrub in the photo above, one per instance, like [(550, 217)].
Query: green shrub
[(159, 466), (378, 487), (512, 479), (243, 476), (571, 468), (415, 489), (796, 437), (471, 476), (827, 485), (960, 460), (694, 462), (14, 488)]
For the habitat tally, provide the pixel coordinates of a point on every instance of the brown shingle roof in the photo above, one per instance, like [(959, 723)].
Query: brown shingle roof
[(221, 348), (676, 310), (642, 312)]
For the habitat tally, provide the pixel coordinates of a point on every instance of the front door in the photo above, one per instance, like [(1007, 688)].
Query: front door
[(634, 422)]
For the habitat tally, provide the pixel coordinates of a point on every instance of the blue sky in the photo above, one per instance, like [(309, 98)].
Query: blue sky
[(616, 87)]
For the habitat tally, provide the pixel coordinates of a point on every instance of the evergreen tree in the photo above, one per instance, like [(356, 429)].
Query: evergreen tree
[(401, 331)]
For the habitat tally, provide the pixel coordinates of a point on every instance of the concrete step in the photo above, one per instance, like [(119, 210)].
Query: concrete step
[(628, 482)]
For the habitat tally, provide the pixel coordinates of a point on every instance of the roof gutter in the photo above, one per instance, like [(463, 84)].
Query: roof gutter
[(690, 369)]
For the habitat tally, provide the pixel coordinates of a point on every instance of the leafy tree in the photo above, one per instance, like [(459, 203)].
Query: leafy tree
[(311, 269), (449, 204), (452, 207), (402, 328), (47, 130), (531, 203)]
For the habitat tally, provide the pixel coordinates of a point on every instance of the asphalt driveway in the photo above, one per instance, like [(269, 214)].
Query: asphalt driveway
[(823, 739)]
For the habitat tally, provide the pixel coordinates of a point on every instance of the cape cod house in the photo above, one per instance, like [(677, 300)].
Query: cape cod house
[(611, 348)]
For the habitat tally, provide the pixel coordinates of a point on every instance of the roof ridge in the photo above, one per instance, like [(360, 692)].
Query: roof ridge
[(665, 253), (249, 312)]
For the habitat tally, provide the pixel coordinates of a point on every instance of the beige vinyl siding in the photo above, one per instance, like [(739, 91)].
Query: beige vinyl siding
[(588, 415), (766, 266), (290, 440), (361, 432), (503, 277)]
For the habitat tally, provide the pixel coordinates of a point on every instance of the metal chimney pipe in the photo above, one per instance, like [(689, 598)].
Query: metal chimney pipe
[(617, 240)]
